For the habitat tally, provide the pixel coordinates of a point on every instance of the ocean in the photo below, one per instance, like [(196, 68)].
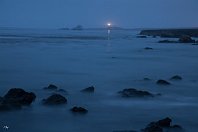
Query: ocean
[(73, 60)]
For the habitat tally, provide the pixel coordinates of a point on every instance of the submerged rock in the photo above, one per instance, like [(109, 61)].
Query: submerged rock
[(176, 77), (51, 87), (161, 126), (15, 98), (167, 41), (163, 82), (79, 110), (88, 90), (141, 36), (131, 92), (146, 79), (148, 48), (55, 99)]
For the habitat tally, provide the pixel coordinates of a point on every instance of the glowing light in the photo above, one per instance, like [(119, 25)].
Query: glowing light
[(108, 24)]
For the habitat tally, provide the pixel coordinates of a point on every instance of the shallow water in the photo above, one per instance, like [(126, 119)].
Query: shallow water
[(32, 59)]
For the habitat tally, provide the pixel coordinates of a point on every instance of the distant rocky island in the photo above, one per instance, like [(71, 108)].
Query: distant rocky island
[(171, 33)]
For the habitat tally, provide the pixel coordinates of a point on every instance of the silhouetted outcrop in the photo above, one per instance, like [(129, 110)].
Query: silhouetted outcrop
[(131, 92), (171, 33), (51, 87), (16, 98), (78, 27), (55, 99), (176, 77), (163, 125), (163, 82), (88, 90), (79, 110)]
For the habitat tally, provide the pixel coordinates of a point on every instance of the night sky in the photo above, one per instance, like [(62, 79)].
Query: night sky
[(96, 13)]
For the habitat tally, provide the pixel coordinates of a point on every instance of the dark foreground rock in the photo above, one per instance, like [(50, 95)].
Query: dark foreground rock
[(176, 77), (55, 99), (51, 87), (79, 110), (163, 125), (131, 92), (88, 90), (15, 99), (163, 82)]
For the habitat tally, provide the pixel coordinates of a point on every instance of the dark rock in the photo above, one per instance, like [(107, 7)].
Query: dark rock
[(164, 122), (162, 125), (162, 82), (55, 99), (141, 36), (18, 96), (176, 77), (131, 92), (167, 41), (148, 48), (88, 90), (51, 87), (79, 110), (171, 33), (146, 79), (152, 127), (186, 39), (15, 99)]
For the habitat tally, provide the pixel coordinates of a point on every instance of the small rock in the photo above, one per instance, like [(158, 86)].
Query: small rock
[(88, 90), (131, 92), (79, 110), (163, 82), (186, 39), (176, 77), (162, 125), (164, 122), (51, 87), (55, 99), (146, 79), (152, 127), (148, 48)]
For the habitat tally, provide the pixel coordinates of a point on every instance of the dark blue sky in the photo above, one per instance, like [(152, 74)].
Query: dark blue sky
[(95, 13)]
